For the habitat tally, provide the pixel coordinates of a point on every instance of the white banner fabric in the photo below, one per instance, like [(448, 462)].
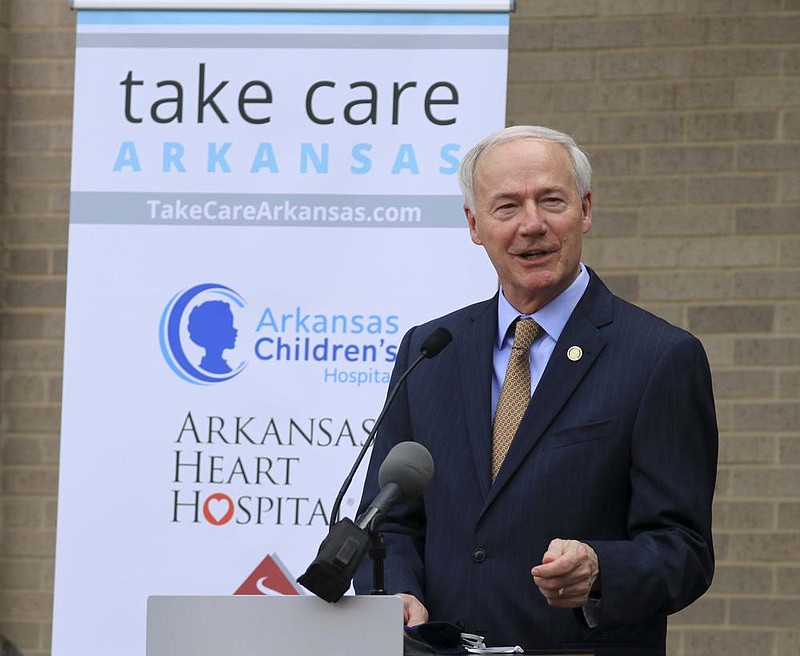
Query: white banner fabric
[(262, 203)]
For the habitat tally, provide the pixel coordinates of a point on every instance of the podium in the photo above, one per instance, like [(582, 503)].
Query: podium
[(279, 626)]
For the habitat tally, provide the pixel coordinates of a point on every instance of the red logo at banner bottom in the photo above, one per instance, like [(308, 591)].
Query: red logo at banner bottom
[(269, 578)]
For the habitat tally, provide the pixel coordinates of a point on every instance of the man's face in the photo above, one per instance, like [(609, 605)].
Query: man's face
[(530, 219)]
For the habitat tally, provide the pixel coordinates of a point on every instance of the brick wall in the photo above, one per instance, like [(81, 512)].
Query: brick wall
[(691, 112)]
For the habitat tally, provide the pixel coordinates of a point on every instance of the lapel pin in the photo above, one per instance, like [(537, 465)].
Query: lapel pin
[(574, 353)]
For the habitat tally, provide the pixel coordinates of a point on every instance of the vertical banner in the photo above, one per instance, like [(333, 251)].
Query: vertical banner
[(262, 203)]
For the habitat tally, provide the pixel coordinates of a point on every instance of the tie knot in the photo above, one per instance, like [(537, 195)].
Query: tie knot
[(525, 332)]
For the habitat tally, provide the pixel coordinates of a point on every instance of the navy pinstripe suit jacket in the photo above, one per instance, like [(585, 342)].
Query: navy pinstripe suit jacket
[(617, 449)]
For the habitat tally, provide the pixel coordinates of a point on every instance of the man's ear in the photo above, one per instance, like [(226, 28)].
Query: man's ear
[(586, 210), (473, 226)]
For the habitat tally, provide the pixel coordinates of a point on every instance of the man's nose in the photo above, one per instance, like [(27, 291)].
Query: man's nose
[(531, 219)]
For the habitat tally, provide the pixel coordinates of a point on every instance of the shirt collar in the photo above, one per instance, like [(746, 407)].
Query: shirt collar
[(552, 317)]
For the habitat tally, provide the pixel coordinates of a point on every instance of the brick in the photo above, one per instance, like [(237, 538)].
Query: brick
[(54, 389), (727, 641), (736, 125), (769, 29), (540, 67), (787, 642), (554, 8), (35, 292), (789, 384), (722, 488), (790, 188), (38, 167), (641, 191), (732, 188), (530, 99), (51, 43), (22, 387), (788, 580), (30, 480), (58, 261), (681, 94), (746, 449), (19, 325), (31, 357), (23, 634), (758, 547), (671, 313), (778, 351), (764, 612), (688, 159), (626, 287), (668, 31), (774, 415), (789, 451), (791, 120), (526, 36), (23, 512), (686, 220), (22, 451), (733, 62), (26, 574), (614, 161), (36, 232), (768, 157), (789, 254), (598, 35), (611, 223), (641, 65), (737, 383), (765, 285), (731, 515), (629, 7), (33, 13), (683, 286), (767, 92), (27, 261), (30, 137), (765, 219), (606, 96), (638, 128), (729, 251), (731, 318), (740, 579), (32, 418), (38, 105), (706, 610), (789, 519), (26, 605)]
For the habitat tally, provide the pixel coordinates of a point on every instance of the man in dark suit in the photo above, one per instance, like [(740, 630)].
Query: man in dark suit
[(595, 523)]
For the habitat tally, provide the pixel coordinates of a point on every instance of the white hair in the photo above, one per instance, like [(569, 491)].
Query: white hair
[(581, 167)]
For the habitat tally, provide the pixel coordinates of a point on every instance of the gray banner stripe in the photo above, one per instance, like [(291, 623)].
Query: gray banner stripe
[(305, 41), (266, 210)]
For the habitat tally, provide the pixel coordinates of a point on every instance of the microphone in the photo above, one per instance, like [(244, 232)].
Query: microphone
[(404, 474), (430, 348), (404, 477)]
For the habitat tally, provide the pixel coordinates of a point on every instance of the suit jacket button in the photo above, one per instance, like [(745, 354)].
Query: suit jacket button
[(479, 555)]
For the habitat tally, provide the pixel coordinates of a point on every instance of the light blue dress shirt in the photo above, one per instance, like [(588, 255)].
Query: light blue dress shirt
[(552, 318)]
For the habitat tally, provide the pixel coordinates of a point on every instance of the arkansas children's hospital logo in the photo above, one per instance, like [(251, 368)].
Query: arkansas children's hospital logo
[(197, 329)]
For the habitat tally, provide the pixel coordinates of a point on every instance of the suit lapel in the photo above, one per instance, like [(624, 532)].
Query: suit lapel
[(561, 376), (475, 373)]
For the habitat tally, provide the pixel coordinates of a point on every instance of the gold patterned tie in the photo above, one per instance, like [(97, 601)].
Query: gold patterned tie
[(515, 393)]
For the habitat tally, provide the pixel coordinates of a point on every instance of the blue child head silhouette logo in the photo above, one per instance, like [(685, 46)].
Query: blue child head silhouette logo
[(197, 329)]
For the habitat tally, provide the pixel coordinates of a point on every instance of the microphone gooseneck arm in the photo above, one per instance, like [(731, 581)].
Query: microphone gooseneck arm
[(430, 348)]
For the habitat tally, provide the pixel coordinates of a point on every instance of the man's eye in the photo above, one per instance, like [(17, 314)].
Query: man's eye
[(554, 202)]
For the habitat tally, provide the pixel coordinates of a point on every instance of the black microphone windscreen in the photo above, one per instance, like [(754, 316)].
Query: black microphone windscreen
[(435, 342), (410, 466)]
